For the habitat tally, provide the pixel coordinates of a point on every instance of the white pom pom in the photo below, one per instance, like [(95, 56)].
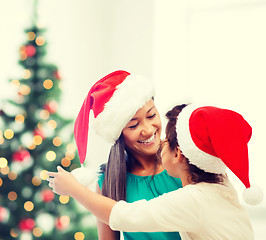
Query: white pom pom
[(253, 195), (86, 176)]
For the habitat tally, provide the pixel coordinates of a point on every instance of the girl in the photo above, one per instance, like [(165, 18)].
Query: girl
[(125, 115), (200, 143)]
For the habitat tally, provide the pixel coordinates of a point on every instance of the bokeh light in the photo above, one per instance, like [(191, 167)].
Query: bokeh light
[(28, 206), (14, 233), (51, 156), (37, 232), (57, 141), (44, 114), (15, 83), (2, 140), (48, 84), (12, 196), (19, 118), (26, 192), (9, 133), (4, 170), (70, 155), (26, 74), (71, 147), (3, 162), (43, 175), (52, 124), (31, 146), (36, 181), (79, 236), (65, 162), (24, 90), (64, 199), (23, 54), (31, 36), (37, 140), (40, 41), (12, 175)]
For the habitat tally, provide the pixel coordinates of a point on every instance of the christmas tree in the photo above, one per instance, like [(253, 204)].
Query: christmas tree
[(35, 138)]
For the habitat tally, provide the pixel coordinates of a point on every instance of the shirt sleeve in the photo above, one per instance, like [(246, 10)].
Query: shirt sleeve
[(174, 211)]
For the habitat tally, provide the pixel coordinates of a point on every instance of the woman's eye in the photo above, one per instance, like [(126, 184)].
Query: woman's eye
[(152, 116), (134, 126)]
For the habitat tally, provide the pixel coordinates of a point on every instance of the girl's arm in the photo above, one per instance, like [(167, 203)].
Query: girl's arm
[(104, 231), (64, 183), (174, 211)]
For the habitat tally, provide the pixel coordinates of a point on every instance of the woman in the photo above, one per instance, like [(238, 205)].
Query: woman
[(200, 143), (125, 115)]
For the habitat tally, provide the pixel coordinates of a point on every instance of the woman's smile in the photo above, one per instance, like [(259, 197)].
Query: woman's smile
[(150, 140)]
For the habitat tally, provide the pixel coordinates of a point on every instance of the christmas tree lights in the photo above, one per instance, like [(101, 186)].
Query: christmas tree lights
[(33, 140)]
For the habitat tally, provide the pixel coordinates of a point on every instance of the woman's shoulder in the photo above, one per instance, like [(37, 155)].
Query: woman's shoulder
[(161, 180), (155, 185)]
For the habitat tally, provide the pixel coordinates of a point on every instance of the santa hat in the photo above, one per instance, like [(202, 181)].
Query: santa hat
[(214, 138), (114, 100)]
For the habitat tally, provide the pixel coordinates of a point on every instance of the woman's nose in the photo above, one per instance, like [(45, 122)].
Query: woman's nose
[(147, 128)]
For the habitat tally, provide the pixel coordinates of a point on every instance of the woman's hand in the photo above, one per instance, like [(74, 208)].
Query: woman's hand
[(62, 182)]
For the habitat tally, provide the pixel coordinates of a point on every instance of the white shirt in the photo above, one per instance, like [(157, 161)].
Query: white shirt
[(200, 211)]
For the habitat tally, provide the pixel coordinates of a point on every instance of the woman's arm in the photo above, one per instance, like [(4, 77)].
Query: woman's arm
[(104, 231), (64, 183)]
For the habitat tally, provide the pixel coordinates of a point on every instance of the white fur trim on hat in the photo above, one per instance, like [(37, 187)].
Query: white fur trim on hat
[(253, 195), (85, 176), (130, 95), (197, 157)]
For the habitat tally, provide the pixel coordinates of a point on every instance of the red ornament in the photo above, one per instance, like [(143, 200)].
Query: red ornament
[(62, 222), (39, 132), (57, 75), (26, 224), (21, 155), (51, 107), (47, 195), (30, 50), (3, 214)]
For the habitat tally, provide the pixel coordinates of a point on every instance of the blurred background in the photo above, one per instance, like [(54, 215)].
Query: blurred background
[(208, 51)]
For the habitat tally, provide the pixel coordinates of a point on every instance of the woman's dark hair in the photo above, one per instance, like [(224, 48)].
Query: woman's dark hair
[(114, 184), (120, 161), (196, 175)]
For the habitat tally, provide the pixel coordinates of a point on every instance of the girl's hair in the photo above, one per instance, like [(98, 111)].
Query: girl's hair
[(120, 161), (196, 175)]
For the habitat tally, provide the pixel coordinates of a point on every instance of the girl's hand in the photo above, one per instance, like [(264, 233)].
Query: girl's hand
[(62, 182)]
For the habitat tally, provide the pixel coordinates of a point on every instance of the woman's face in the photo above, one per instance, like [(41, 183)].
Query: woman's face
[(142, 133)]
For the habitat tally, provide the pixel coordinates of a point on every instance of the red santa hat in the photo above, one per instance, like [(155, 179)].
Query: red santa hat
[(114, 100), (214, 138)]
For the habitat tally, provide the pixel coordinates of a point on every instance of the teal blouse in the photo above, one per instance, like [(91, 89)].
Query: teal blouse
[(148, 187)]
